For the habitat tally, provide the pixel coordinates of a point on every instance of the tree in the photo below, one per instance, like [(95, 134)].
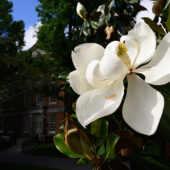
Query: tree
[(11, 42), (11, 32)]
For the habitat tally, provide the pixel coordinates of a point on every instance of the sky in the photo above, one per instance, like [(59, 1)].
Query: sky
[(25, 10)]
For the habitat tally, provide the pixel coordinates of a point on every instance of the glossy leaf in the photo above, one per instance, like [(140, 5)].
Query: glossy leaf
[(167, 4), (99, 131), (156, 163), (60, 145), (111, 5), (139, 162), (168, 21), (62, 128), (110, 146), (94, 25), (132, 1), (153, 149), (102, 151), (154, 26)]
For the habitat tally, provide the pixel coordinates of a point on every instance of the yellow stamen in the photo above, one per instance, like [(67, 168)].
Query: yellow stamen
[(122, 49), (111, 97), (122, 54)]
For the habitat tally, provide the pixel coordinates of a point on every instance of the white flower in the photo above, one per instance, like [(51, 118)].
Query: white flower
[(81, 10), (100, 73)]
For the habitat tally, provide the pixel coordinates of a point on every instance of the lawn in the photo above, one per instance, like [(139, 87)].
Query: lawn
[(12, 166), (45, 149)]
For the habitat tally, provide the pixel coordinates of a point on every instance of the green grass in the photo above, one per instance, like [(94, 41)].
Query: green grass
[(12, 166), (45, 149)]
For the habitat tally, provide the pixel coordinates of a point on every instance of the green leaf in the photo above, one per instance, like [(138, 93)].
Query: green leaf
[(110, 146), (81, 161), (154, 26), (63, 76), (60, 145), (153, 149), (164, 126), (168, 20), (99, 131), (132, 1), (84, 161), (95, 16), (86, 23), (86, 31), (62, 128), (139, 7), (111, 5), (94, 25), (139, 162), (156, 162), (167, 4), (101, 152), (95, 127), (74, 116)]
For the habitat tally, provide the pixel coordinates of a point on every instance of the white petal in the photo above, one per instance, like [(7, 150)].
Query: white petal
[(94, 76), (90, 72), (99, 102), (133, 47), (146, 39), (111, 65), (78, 82), (84, 53), (143, 106), (158, 71)]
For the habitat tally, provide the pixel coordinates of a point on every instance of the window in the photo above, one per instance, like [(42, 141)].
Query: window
[(52, 100), (52, 123)]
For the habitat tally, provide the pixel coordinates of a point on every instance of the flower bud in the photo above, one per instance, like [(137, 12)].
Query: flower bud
[(101, 9), (76, 140), (109, 31), (81, 10)]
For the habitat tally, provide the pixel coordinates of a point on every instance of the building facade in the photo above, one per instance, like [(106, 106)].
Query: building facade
[(41, 117)]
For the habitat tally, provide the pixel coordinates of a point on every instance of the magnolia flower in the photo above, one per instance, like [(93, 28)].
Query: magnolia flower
[(99, 74), (81, 10)]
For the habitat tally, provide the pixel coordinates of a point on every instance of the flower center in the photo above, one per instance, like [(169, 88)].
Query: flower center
[(122, 54), (122, 49)]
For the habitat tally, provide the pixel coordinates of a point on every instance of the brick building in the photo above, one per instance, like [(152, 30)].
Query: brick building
[(42, 116)]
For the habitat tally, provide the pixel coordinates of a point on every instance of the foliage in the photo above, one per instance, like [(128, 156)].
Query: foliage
[(11, 42), (11, 32)]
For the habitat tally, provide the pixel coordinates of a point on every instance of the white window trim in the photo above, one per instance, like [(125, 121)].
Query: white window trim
[(52, 131), (52, 102)]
